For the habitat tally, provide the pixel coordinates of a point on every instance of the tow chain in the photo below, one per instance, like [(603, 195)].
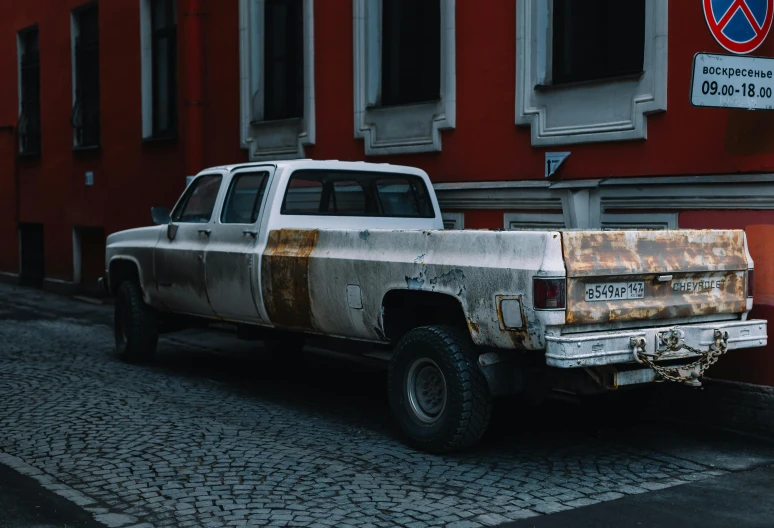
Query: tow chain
[(674, 341)]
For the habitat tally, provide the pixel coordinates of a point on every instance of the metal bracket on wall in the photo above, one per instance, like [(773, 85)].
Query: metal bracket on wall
[(554, 160)]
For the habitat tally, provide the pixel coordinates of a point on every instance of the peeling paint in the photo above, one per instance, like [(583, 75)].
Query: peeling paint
[(453, 280)]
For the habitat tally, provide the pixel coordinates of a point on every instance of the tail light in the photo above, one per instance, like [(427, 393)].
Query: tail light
[(549, 294), (750, 275)]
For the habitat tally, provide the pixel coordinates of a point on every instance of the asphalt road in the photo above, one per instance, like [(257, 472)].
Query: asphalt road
[(25, 503), (738, 500), (208, 435)]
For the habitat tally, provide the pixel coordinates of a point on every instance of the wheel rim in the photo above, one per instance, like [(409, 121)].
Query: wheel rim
[(426, 390)]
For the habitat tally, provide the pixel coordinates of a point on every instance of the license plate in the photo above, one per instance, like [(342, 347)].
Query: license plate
[(615, 291)]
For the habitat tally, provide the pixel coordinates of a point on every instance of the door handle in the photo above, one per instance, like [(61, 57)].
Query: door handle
[(205, 231), (253, 234)]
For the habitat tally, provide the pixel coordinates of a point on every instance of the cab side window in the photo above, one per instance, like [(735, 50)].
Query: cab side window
[(243, 203), (199, 201)]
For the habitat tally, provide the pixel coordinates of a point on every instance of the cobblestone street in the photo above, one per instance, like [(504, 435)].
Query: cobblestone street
[(208, 436)]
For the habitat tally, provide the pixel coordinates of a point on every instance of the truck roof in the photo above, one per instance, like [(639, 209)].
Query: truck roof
[(330, 164)]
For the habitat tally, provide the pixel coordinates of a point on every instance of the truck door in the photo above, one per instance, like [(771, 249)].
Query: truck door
[(232, 255), (179, 255)]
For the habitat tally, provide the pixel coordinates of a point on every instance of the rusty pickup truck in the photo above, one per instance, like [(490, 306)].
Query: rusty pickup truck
[(294, 251)]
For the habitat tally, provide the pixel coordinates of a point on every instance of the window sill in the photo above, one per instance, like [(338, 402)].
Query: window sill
[(160, 139), (284, 120), (591, 82), (87, 148), (403, 105)]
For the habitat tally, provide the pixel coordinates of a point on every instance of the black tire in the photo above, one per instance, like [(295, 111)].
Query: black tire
[(135, 325), (466, 406)]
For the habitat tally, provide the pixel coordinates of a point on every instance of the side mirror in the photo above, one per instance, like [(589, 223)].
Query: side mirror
[(171, 231), (160, 215)]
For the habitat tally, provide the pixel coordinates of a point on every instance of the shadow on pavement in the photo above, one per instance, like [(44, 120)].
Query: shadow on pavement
[(24, 503)]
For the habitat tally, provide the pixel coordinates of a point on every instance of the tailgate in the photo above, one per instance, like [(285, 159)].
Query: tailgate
[(615, 276)]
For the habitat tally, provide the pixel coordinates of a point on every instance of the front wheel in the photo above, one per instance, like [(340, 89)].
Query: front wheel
[(135, 325), (437, 392)]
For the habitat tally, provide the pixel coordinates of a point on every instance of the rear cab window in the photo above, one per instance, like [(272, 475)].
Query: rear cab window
[(322, 192)]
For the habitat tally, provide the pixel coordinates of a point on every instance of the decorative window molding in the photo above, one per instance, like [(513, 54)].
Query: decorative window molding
[(603, 110), (284, 138), (407, 128), (453, 220), (639, 221), (534, 221)]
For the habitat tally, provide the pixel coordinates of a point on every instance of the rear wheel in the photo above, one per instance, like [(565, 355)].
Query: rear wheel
[(135, 325), (437, 392)]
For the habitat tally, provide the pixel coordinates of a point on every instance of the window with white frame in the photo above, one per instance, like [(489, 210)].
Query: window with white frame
[(454, 220), (159, 68), (590, 71), (277, 77), (85, 117), (405, 79), (534, 221), (29, 91)]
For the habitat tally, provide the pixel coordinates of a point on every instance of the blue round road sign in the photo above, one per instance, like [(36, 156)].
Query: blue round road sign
[(740, 26)]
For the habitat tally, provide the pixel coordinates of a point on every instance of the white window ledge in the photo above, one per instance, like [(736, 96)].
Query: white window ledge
[(399, 129), (610, 110)]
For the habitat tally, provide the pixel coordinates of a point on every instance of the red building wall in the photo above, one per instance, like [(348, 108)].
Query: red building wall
[(132, 175), (487, 145)]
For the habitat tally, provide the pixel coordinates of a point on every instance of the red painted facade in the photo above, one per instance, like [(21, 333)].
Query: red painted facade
[(132, 175)]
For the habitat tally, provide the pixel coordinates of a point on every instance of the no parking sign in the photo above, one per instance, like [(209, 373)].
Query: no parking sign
[(740, 26)]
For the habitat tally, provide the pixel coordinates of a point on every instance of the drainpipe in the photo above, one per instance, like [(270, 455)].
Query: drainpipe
[(193, 85)]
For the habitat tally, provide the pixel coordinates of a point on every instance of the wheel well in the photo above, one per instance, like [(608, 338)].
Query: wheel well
[(121, 271), (404, 310)]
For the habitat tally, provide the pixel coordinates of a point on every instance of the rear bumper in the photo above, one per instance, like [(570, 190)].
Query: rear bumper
[(614, 348)]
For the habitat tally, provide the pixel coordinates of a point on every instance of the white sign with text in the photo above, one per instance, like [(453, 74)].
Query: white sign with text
[(732, 81)]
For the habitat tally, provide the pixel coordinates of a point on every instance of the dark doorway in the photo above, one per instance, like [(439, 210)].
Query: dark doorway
[(33, 268)]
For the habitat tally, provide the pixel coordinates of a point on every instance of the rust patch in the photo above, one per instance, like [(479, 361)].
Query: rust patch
[(518, 336), (596, 253), (285, 277), (661, 300)]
